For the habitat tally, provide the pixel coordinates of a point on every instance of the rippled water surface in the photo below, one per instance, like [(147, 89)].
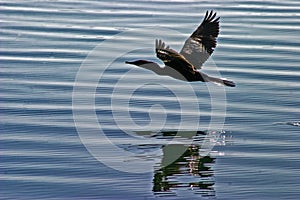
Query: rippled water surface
[(77, 122)]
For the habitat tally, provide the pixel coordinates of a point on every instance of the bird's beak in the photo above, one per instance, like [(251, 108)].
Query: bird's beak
[(128, 62)]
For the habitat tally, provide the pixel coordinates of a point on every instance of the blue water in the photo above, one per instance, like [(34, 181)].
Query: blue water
[(46, 102)]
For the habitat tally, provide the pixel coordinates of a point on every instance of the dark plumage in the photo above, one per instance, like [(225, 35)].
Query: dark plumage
[(196, 50)]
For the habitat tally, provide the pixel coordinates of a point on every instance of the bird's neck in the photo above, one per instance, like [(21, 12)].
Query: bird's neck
[(152, 66)]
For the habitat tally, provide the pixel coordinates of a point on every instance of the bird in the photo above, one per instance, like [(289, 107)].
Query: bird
[(185, 65)]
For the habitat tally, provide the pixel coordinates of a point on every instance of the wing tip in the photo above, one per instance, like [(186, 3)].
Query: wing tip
[(159, 44), (210, 16)]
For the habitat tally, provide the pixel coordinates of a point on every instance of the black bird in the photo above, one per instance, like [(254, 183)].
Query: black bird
[(196, 50)]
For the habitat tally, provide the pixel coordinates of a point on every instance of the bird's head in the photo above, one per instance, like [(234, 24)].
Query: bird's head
[(139, 62), (145, 64)]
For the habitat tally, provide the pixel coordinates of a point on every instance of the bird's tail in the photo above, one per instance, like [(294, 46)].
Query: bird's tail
[(220, 81)]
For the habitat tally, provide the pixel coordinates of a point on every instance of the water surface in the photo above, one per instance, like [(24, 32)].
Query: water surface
[(44, 43)]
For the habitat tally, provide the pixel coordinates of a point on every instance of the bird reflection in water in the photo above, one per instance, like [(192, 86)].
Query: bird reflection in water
[(190, 171)]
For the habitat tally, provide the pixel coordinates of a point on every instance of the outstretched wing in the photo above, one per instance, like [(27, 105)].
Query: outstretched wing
[(200, 45), (171, 57)]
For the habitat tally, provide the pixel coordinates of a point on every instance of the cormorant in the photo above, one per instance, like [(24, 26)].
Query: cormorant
[(196, 50)]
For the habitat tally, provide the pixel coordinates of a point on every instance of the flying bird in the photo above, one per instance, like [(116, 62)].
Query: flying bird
[(196, 50)]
